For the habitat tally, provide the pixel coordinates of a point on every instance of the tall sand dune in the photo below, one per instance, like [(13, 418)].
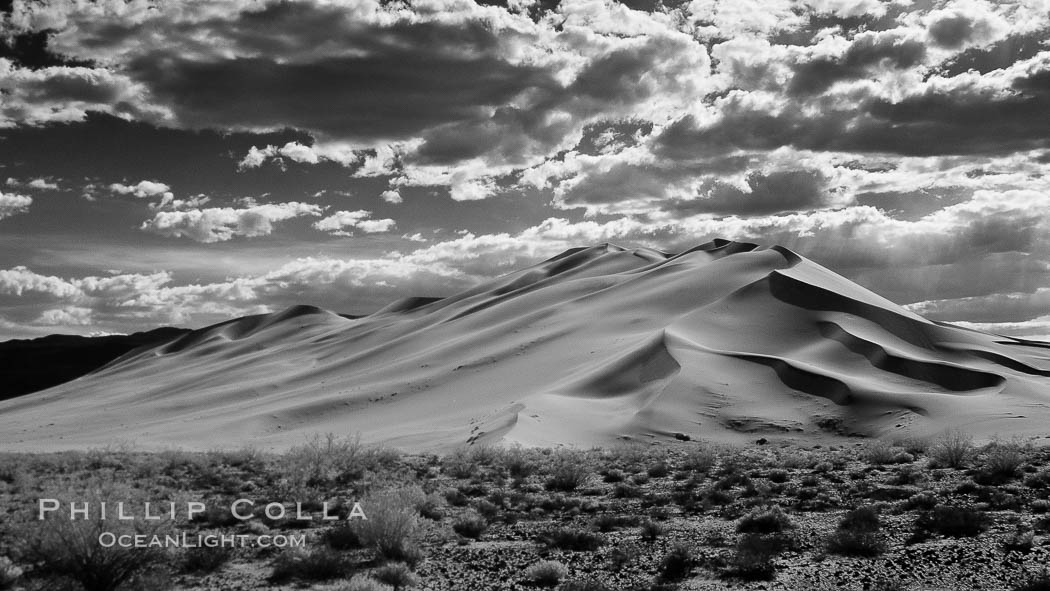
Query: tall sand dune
[(725, 341)]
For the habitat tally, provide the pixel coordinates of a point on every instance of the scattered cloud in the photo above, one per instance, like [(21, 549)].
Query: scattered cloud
[(142, 189), (219, 224), (343, 223), (13, 204)]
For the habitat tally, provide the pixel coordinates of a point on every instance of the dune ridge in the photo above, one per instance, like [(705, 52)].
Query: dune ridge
[(724, 341)]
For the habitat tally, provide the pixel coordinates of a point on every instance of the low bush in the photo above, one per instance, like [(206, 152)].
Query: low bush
[(9, 573), (396, 574), (765, 521), (390, 528), (470, 525), (650, 531), (608, 522), (754, 557), (567, 476), (951, 520), (547, 573), (953, 449), (857, 534), (677, 563), (571, 539), (778, 476), (1002, 463), (70, 548)]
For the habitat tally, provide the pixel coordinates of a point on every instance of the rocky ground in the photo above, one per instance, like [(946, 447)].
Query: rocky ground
[(939, 514)]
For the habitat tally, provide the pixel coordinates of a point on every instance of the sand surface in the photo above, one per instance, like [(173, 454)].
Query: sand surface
[(725, 342)]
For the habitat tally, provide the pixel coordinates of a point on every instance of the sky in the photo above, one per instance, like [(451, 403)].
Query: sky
[(183, 163)]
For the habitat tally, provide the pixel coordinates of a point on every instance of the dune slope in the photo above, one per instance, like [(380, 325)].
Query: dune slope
[(726, 341)]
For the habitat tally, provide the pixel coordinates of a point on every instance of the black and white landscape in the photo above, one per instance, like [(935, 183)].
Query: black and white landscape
[(577, 294)]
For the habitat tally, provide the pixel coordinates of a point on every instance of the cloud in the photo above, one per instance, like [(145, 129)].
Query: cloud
[(64, 93), (766, 192), (300, 153), (342, 222), (867, 51), (68, 316), (40, 184), (1001, 308), (13, 204), (142, 189), (219, 224), (20, 280), (391, 196)]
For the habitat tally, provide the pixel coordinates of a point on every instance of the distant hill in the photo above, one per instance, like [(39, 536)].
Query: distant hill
[(35, 364)]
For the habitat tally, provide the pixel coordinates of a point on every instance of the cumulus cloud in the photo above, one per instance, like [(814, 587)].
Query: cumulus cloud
[(300, 153), (218, 224), (342, 223), (40, 184), (392, 196), (142, 189), (13, 204), (68, 316), (900, 143)]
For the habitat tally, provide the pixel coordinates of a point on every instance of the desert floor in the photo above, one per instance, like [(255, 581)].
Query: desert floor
[(919, 514)]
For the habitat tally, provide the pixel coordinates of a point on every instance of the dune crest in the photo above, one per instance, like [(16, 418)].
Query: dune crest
[(724, 341)]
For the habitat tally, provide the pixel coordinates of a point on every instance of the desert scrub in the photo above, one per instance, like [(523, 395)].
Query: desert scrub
[(470, 525), (754, 557), (858, 534), (9, 573), (953, 449), (950, 520), (460, 463), (1002, 462), (71, 549), (881, 452), (610, 522), (567, 475), (547, 573), (677, 563), (330, 460), (391, 526), (570, 539), (518, 462), (317, 564), (396, 574), (651, 530), (766, 520)]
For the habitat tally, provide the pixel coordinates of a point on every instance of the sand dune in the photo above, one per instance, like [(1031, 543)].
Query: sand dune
[(726, 341)]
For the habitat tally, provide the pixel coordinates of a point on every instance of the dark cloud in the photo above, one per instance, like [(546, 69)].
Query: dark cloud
[(866, 52), (1001, 54), (315, 68), (952, 31), (381, 96), (769, 192), (846, 25), (612, 135), (30, 50), (964, 120), (607, 84)]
